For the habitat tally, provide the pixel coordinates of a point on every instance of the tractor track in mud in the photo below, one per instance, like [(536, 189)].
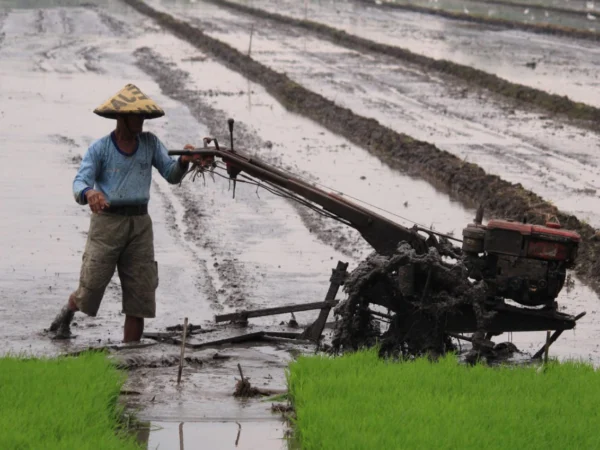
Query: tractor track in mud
[(39, 23), (467, 182), (582, 115), (171, 82), (115, 25), (3, 15), (173, 228), (502, 23)]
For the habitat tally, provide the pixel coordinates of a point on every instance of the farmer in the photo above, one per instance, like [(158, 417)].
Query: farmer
[(114, 180)]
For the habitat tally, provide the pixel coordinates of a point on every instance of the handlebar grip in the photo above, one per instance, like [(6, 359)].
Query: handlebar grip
[(190, 152)]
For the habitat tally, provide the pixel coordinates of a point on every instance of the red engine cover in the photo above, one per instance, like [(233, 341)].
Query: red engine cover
[(549, 243), (536, 231)]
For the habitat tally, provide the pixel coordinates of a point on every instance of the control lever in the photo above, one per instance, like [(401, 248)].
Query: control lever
[(232, 171), (230, 123), (208, 140)]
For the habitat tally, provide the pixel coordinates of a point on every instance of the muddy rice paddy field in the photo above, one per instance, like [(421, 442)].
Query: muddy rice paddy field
[(219, 254)]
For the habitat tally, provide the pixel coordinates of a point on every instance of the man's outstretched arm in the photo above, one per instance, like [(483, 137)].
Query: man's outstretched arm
[(171, 169)]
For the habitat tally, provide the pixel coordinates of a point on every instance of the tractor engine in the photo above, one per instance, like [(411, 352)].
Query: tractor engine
[(522, 262)]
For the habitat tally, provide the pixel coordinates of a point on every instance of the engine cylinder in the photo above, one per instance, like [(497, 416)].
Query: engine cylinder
[(473, 238)]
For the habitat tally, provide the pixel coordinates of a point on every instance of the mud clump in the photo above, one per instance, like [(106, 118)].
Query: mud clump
[(61, 325), (148, 362), (282, 408), (244, 389)]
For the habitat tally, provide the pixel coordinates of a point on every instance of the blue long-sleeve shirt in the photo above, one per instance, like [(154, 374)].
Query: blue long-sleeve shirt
[(124, 178)]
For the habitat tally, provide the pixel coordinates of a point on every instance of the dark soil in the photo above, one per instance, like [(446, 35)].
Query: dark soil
[(549, 103), (243, 388), (464, 181)]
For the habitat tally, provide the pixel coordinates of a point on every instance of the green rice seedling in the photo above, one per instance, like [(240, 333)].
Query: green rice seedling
[(360, 401), (61, 404)]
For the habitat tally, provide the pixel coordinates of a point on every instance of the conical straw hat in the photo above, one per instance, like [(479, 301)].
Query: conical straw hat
[(129, 100)]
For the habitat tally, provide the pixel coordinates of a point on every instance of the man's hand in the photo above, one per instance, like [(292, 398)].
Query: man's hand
[(203, 161), (96, 200)]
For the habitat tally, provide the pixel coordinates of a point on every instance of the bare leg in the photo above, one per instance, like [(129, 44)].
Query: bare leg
[(134, 327)]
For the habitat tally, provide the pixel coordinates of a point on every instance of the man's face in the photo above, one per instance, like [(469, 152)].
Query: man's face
[(134, 123)]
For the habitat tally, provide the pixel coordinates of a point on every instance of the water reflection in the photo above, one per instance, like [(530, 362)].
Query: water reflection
[(224, 435)]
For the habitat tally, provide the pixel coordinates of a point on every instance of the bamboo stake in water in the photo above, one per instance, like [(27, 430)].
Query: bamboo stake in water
[(185, 323), (181, 436), (547, 347), (250, 44)]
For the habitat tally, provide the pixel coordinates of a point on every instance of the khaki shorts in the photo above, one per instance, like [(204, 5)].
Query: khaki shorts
[(125, 243)]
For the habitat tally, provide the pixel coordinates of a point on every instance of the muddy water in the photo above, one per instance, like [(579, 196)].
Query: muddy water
[(217, 435), (215, 253), (58, 64), (539, 154), (267, 130), (51, 58), (563, 66)]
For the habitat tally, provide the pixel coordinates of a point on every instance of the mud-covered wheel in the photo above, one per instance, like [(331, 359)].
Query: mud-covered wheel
[(419, 290)]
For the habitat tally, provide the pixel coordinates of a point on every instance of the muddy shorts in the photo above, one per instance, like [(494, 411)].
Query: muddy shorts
[(127, 244)]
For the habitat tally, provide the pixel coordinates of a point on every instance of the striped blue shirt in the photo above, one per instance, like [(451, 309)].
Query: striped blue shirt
[(124, 178)]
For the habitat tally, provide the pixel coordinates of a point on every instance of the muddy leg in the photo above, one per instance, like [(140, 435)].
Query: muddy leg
[(134, 327), (62, 322)]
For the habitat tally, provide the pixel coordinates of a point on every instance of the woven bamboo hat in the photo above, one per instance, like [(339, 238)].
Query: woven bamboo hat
[(129, 100)]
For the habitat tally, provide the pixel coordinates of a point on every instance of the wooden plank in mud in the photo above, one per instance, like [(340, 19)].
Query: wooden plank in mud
[(338, 276), (243, 315), (256, 336), (283, 334), (553, 339)]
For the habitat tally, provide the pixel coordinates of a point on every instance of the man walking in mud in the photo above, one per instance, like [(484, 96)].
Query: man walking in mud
[(114, 180)]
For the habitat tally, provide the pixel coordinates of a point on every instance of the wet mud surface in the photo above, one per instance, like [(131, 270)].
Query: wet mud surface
[(545, 21), (466, 181), (537, 9), (500, 138), (549, 103), (556, 65), (571, 5), (210, 247), (215, 253)]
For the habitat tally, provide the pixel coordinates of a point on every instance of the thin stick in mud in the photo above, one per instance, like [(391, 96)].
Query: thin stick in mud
[(546, 347), (553, 339), (237, 439), (185, 324), (181, 436), (250, 44)]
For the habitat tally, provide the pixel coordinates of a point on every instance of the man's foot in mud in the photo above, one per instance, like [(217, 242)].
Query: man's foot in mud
[(64, 331), (62, 319)]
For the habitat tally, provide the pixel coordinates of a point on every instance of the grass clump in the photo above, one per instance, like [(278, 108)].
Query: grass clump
[(63, 403), (360, 401)]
